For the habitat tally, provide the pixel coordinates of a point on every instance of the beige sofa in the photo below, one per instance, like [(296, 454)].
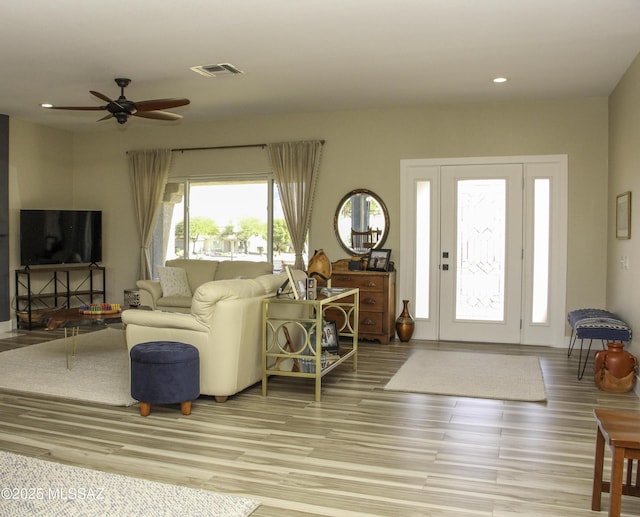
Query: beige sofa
[(224, 323), (198, 272)]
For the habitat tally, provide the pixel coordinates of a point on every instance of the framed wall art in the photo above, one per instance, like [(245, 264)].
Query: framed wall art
[(623, 216)]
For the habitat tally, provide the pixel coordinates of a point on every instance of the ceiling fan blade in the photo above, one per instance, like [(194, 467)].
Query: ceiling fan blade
[(158, 115), (106, 117), (101, 96), (82, 108), (161, 104)]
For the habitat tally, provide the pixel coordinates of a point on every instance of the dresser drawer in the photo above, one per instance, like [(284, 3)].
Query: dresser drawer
[(376, 319), (372, 301), (362, 282), (369, 323)]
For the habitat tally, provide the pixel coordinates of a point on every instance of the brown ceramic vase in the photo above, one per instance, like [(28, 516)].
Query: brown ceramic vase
[(405, 324)]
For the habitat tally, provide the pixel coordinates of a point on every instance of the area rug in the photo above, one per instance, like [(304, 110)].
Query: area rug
[(470, 374), (99, 374), (32, 486)]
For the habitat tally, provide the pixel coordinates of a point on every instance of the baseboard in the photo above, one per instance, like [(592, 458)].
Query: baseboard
[(6, 326)]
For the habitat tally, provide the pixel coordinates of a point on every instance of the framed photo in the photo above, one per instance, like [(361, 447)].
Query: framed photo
[(379, 260), (330, 342), (623, 216), (297, 287), (291, 286)]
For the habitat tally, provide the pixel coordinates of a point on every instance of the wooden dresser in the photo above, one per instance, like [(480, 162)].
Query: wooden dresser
[(377, 302)]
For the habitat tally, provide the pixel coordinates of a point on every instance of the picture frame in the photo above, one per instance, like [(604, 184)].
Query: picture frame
[(330, 344), (330, 340), (291, 286), (623, 215), (379, 260)]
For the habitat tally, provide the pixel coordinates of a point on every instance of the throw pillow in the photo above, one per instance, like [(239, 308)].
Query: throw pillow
[(173, 281)]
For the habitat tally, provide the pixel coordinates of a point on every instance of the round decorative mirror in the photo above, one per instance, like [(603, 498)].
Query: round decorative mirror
[(361, 222)]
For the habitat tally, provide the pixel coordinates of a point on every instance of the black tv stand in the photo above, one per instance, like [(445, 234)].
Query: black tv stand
[(43, 289)]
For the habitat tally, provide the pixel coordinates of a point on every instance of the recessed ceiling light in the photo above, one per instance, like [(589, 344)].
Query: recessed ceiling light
[(500, 80), (46, 105)]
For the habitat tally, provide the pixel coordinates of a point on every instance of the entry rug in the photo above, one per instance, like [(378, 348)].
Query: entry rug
[(99, 374), (34, 487), (470, 374)]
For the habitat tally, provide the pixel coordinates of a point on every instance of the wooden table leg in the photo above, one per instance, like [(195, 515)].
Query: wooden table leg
[(145, 408), (615, 492), (596, 494)]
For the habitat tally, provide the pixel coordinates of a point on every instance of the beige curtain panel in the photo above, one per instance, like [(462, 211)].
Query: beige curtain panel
[(149, 170), (295, 166)]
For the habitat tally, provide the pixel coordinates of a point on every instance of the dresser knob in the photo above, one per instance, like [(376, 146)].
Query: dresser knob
[(371, 284), (368, 322), (369, 301)]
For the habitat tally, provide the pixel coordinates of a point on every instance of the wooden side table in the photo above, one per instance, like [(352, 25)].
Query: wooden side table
[(620, 430)]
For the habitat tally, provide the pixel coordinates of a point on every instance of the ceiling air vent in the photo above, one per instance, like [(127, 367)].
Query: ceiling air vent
[(219, 70)]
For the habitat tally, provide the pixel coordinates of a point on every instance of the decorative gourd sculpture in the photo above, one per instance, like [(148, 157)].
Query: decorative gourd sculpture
[(319, 266)]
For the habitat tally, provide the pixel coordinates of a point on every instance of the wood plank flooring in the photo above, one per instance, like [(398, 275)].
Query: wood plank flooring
[(360, 452)]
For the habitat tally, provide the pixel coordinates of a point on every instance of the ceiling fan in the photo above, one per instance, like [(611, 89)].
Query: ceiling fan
[(122, 108)]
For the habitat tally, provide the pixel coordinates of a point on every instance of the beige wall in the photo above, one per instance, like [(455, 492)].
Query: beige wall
[(624, 175), (363, 150), (40, 176)]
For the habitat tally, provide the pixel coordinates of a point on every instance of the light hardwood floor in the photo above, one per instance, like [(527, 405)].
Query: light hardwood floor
[(362, 451)]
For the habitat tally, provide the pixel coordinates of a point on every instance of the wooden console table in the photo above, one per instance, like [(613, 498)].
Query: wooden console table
[(278, 325)]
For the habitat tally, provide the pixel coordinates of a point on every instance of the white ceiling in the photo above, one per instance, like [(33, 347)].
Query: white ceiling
[(306, 55)]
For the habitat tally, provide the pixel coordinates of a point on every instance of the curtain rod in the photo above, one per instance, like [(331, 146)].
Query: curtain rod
[(183, 149)]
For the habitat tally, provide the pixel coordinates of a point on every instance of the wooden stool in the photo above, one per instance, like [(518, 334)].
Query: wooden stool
[(620, 430)]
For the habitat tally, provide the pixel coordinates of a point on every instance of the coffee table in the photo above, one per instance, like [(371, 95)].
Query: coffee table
[(72, 319)]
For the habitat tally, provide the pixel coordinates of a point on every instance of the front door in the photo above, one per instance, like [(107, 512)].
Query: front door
[(481, 252), (483, 248)]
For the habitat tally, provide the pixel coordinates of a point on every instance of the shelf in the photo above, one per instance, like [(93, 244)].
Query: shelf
[(62, 294), (58, 269), (53, 287)]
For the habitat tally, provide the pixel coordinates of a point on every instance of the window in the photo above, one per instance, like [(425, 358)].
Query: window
[(222, 219)]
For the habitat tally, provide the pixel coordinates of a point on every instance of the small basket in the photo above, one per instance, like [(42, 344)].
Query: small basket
[(132, 298), (36, 317)]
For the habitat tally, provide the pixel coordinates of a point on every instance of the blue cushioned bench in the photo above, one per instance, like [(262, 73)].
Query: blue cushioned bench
[(595, 324)]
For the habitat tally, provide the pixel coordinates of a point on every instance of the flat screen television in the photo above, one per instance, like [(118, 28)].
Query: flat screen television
[(60, 237)]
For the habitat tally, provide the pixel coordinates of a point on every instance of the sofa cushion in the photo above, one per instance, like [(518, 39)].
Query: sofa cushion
[(230, 269), (173, 302), (198, 271), (173, 281)]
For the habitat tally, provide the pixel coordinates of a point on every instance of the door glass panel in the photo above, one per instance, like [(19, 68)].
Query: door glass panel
[(540, 305), (423, 248), (480, 271)]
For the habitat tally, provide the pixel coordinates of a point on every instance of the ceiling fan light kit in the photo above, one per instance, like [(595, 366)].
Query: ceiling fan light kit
[(122, 108)]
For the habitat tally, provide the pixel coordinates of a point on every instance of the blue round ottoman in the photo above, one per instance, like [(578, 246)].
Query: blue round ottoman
[(165, 372)]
